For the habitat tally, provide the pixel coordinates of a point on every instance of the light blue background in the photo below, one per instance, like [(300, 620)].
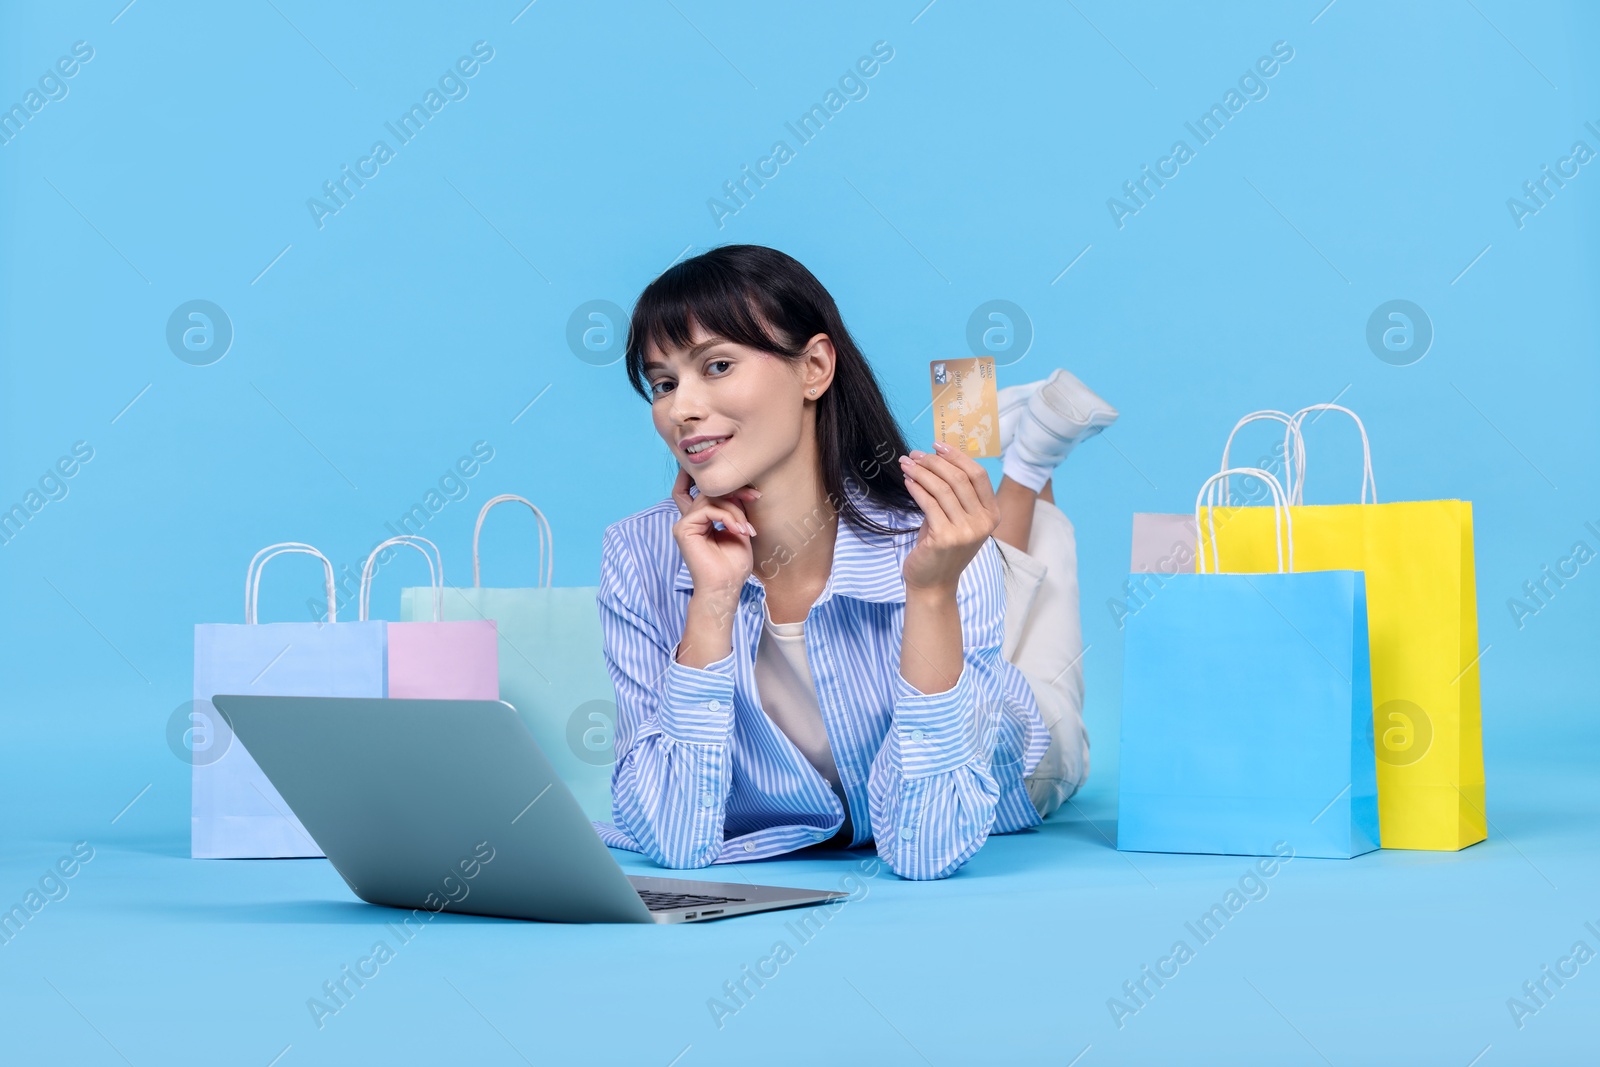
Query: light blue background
[(371, 353)]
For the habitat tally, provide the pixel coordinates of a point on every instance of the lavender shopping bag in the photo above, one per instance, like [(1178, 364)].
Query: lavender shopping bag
[(236, 812), (436, 660), (1163, 544)]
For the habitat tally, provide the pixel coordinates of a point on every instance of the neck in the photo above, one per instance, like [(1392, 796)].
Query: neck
[(796, 526)]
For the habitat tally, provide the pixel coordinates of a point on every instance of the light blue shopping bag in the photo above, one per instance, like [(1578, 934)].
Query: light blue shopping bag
[(1247, 711), (236, 812)]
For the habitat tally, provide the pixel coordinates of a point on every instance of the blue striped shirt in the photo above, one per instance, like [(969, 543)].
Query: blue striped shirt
[(704, 776)]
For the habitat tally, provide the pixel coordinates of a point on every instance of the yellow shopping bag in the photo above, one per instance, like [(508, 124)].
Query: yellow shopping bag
[(1423, 622)]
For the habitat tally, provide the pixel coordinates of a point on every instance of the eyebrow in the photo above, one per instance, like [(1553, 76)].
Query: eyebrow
[(693, 352)]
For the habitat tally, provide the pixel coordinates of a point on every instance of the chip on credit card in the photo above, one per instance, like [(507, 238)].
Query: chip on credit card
[(966, 405)]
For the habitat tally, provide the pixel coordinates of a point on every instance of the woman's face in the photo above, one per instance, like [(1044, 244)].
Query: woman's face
[(748, 404)]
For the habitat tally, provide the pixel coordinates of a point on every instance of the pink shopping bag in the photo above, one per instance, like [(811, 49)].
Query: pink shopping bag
[(436, 660)]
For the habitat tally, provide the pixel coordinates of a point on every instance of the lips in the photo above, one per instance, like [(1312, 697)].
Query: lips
[(713, 445)]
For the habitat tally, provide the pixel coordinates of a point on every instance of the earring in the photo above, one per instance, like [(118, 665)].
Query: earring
[(813, 392)]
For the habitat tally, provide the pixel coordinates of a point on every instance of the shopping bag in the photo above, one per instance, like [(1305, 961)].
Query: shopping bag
[(1247, 710), (552, 664), (1165, 543), (436, 660), (1422, 609), (236, 813), (1162, 544)]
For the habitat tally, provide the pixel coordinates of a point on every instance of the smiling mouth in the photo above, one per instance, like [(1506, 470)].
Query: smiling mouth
[(704, 446)]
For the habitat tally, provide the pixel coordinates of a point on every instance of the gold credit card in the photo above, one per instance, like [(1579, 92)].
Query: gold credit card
[(966, 405)]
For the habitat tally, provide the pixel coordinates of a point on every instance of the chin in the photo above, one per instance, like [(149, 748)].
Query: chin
[(716, 483)]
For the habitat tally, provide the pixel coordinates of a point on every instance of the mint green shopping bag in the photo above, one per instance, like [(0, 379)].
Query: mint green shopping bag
[(552, 664)]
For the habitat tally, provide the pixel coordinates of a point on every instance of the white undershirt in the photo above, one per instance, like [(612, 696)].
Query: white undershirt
[(789, 697)]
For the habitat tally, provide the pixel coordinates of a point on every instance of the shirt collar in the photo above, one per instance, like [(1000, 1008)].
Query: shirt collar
[(866, 566)]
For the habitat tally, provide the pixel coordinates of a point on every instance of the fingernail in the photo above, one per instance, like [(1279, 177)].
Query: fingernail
[(917, 455), (940, 446), (752, 529)]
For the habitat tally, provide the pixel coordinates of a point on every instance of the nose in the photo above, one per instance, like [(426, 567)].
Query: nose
[(684, 405)]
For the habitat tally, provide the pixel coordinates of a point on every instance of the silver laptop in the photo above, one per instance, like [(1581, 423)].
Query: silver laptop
[(450, 805)]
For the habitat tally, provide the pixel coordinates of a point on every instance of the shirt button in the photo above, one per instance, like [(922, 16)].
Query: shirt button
[(715, 705), (749, 846), (907, 833), (917, 735), (706, 800)]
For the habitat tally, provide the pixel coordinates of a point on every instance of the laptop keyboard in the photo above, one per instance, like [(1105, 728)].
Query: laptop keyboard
[(657, 901)]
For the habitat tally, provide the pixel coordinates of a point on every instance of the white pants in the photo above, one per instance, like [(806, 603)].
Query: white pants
[(1044, 639)]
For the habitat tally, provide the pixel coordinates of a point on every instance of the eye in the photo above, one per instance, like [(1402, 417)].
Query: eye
[(658, 382), (720, 362)]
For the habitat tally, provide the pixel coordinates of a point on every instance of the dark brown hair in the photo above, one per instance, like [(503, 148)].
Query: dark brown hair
[(759, 297)]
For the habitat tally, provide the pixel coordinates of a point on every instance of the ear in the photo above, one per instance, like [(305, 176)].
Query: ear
[(819, 363)]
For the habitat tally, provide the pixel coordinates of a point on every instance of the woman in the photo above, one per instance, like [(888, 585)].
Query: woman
[(814, 640)]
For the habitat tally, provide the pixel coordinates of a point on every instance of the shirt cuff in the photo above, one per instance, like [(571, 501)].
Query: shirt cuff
[(936, 733), (697, 702)]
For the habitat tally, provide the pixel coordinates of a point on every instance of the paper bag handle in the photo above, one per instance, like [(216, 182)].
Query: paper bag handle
[(1282, 519), (547, 550), (1293, 473), (1367, 481), (435, 572), (252, 576)]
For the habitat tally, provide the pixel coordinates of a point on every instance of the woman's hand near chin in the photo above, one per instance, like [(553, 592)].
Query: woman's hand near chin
[(719, 561)]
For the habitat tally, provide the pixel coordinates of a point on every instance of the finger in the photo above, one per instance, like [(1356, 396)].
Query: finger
[(731, 503), (740, 496), (938, 489), (730, 519), (971, 483), (701, 527), (701, 520), (975, 473), (680, 492), (933, 517), (956, 478)]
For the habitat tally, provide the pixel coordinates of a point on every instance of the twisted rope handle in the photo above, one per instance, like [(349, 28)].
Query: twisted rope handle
[(547, 549), (1294, 470), (435, 571), (252, 575), (1282, 520), (1367, 481)]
